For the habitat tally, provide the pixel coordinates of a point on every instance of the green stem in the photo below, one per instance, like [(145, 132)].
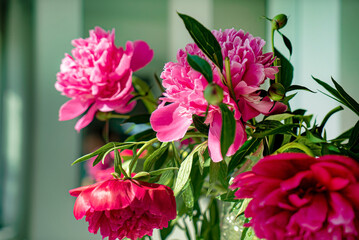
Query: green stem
[(106, 131), (229, 78), (118, 116)]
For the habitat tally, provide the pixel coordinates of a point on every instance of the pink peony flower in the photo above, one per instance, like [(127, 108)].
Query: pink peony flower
[(99, 76), (124, 208), (295, 196), (184, 91)]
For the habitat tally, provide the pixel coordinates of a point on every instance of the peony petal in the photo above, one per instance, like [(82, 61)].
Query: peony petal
[(169, 123), (112, 194), (254, 75), (142, 55), (82, 203), (214, 137), (239, 138), (311, 217), (341, 210), (86, 119), (73, 108)]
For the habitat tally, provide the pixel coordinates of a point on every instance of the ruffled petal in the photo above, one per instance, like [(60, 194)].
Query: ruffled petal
[(169, 123)]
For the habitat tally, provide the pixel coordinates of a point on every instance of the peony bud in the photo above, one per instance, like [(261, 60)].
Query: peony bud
[(279, 21), (276, 92), (213, 94)]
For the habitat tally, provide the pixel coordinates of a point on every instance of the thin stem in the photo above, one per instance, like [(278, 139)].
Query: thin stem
[(106, 131), (118, 116)]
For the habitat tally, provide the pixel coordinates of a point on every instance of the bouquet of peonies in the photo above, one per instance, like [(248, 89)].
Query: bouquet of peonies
[(213, 136)]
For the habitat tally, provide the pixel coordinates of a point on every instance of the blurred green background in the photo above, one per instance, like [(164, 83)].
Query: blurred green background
[(36, 150)]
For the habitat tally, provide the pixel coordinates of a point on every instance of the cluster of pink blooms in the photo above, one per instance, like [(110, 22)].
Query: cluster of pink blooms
[(295, 196), (99, 76), (184, 91)]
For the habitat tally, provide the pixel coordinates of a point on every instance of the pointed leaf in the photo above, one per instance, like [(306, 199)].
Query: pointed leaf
[(204, 39), (228, 129), (150, 160), (298, 87), (200, 65), (183, 174), (247, 148), (287, 43), (142, 136), (162, 170), (198, 122), (285, 70), (348, 100), (103, 149), (354, 139)]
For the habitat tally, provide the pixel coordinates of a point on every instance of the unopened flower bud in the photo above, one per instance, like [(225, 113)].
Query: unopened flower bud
[(276, 92), (279, 21), (213, 94)]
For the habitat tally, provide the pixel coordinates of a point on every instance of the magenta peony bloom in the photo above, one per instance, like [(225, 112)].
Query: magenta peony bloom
[(99, 76), (124, 208), (295, 196), (184, 90)]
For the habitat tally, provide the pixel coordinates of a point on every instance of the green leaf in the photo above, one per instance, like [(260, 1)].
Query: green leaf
[(142, 136), (150, 160), (183, 174), (217, 172), (162, 170), (296, 145), (198, 122), (144, 176), (326, 118), (267, 128), (354, 139), (166, 178), (200, 65), (188, 199), (103, 149), (144, 90), (228, 129), (285, 70), (348, 100), (287, 43), (280, 117), (298, 87), (247, 148), (204, 39)]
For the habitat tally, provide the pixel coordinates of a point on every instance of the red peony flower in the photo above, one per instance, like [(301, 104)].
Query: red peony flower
[(295, 196), (124, 208)]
